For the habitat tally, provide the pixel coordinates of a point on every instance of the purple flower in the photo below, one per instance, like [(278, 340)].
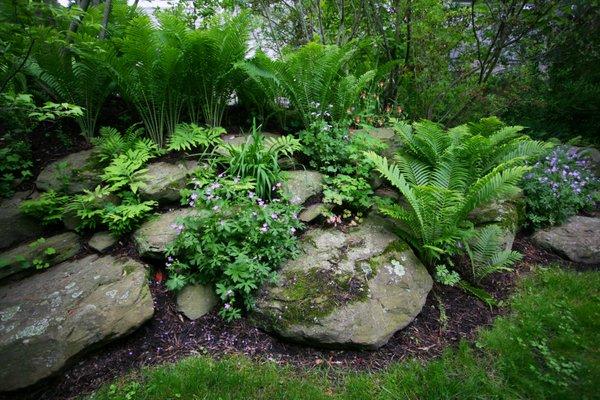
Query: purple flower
[(216, 208), (292, 230), (274, 216), (251, 195), (264, 228)]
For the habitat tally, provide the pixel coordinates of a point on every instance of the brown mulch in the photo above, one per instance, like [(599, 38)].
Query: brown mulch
[(449, 316)]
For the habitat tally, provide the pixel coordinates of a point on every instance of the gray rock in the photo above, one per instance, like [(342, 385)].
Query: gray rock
[(508, 214), (195, 301), (71, 173), (49, 318), (14, 226), (350, 289), (301, 185), (152, 238), (313, 212), (102, 241), (578, 239), (165, 180), (65, 246)]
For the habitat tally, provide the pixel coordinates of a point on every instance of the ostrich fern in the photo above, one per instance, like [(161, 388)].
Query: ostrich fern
[(313, 79), (79, 75), (444, 175)]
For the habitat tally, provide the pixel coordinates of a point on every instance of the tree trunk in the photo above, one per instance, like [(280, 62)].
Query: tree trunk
[(105, 16)]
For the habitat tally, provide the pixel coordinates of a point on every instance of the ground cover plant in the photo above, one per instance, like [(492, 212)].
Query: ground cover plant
[(559, 186)]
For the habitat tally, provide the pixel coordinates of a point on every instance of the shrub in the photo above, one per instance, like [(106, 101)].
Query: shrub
[(558, 186), (191, 136), (235, 242), (352, 192)]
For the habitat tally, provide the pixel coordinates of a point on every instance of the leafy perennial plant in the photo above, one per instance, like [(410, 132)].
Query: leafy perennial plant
[(234, 242), (558, 186)]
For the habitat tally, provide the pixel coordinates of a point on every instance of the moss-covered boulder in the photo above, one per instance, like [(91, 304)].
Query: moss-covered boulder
[(41, 253), (72, 174), (49, 318), (165, 180), (195, 301), (350, 289)]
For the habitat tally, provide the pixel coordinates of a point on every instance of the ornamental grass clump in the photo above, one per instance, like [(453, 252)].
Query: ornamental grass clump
[(558, 186)]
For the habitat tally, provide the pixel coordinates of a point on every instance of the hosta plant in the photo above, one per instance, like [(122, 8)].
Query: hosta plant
[(235, 242)]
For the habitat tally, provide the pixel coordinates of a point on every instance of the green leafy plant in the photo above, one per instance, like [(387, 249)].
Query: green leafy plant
[(191, 136), (111, 143), (258, 158), (314, 79), (234, 242), (351, 192), (443, 176), (127, 215), (214, 60), (127, 170), (48, 208), (150, 71), (486, 252), (559, 186)]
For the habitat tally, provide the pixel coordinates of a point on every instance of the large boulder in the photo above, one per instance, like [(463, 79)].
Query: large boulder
[(301, 185), (350, 289), (49, 318), (195, 301), (238, 140), (165, 180), (14, 226), (578, 239), (47, 251), (72, 174), (153, 237)]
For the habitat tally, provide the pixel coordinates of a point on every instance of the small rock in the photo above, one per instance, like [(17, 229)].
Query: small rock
[(195, 301), (301, 185), (14, 226), (165, 180), (152, 238), (312, 212), (49, 318), (102, 241), (71, 174), (578, 239), (64, 246), (387, 136), (240, 140)]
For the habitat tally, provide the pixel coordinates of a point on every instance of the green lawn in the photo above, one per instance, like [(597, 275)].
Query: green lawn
[(547, 348)]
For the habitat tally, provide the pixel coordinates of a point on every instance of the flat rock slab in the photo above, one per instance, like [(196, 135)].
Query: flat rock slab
[(153, 237), (301, 185), (165, 180), (578, 239), (195, 301), (14, 226), (70, 173), (64, 246), (352, 289), (102, 241), (49, 318)]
